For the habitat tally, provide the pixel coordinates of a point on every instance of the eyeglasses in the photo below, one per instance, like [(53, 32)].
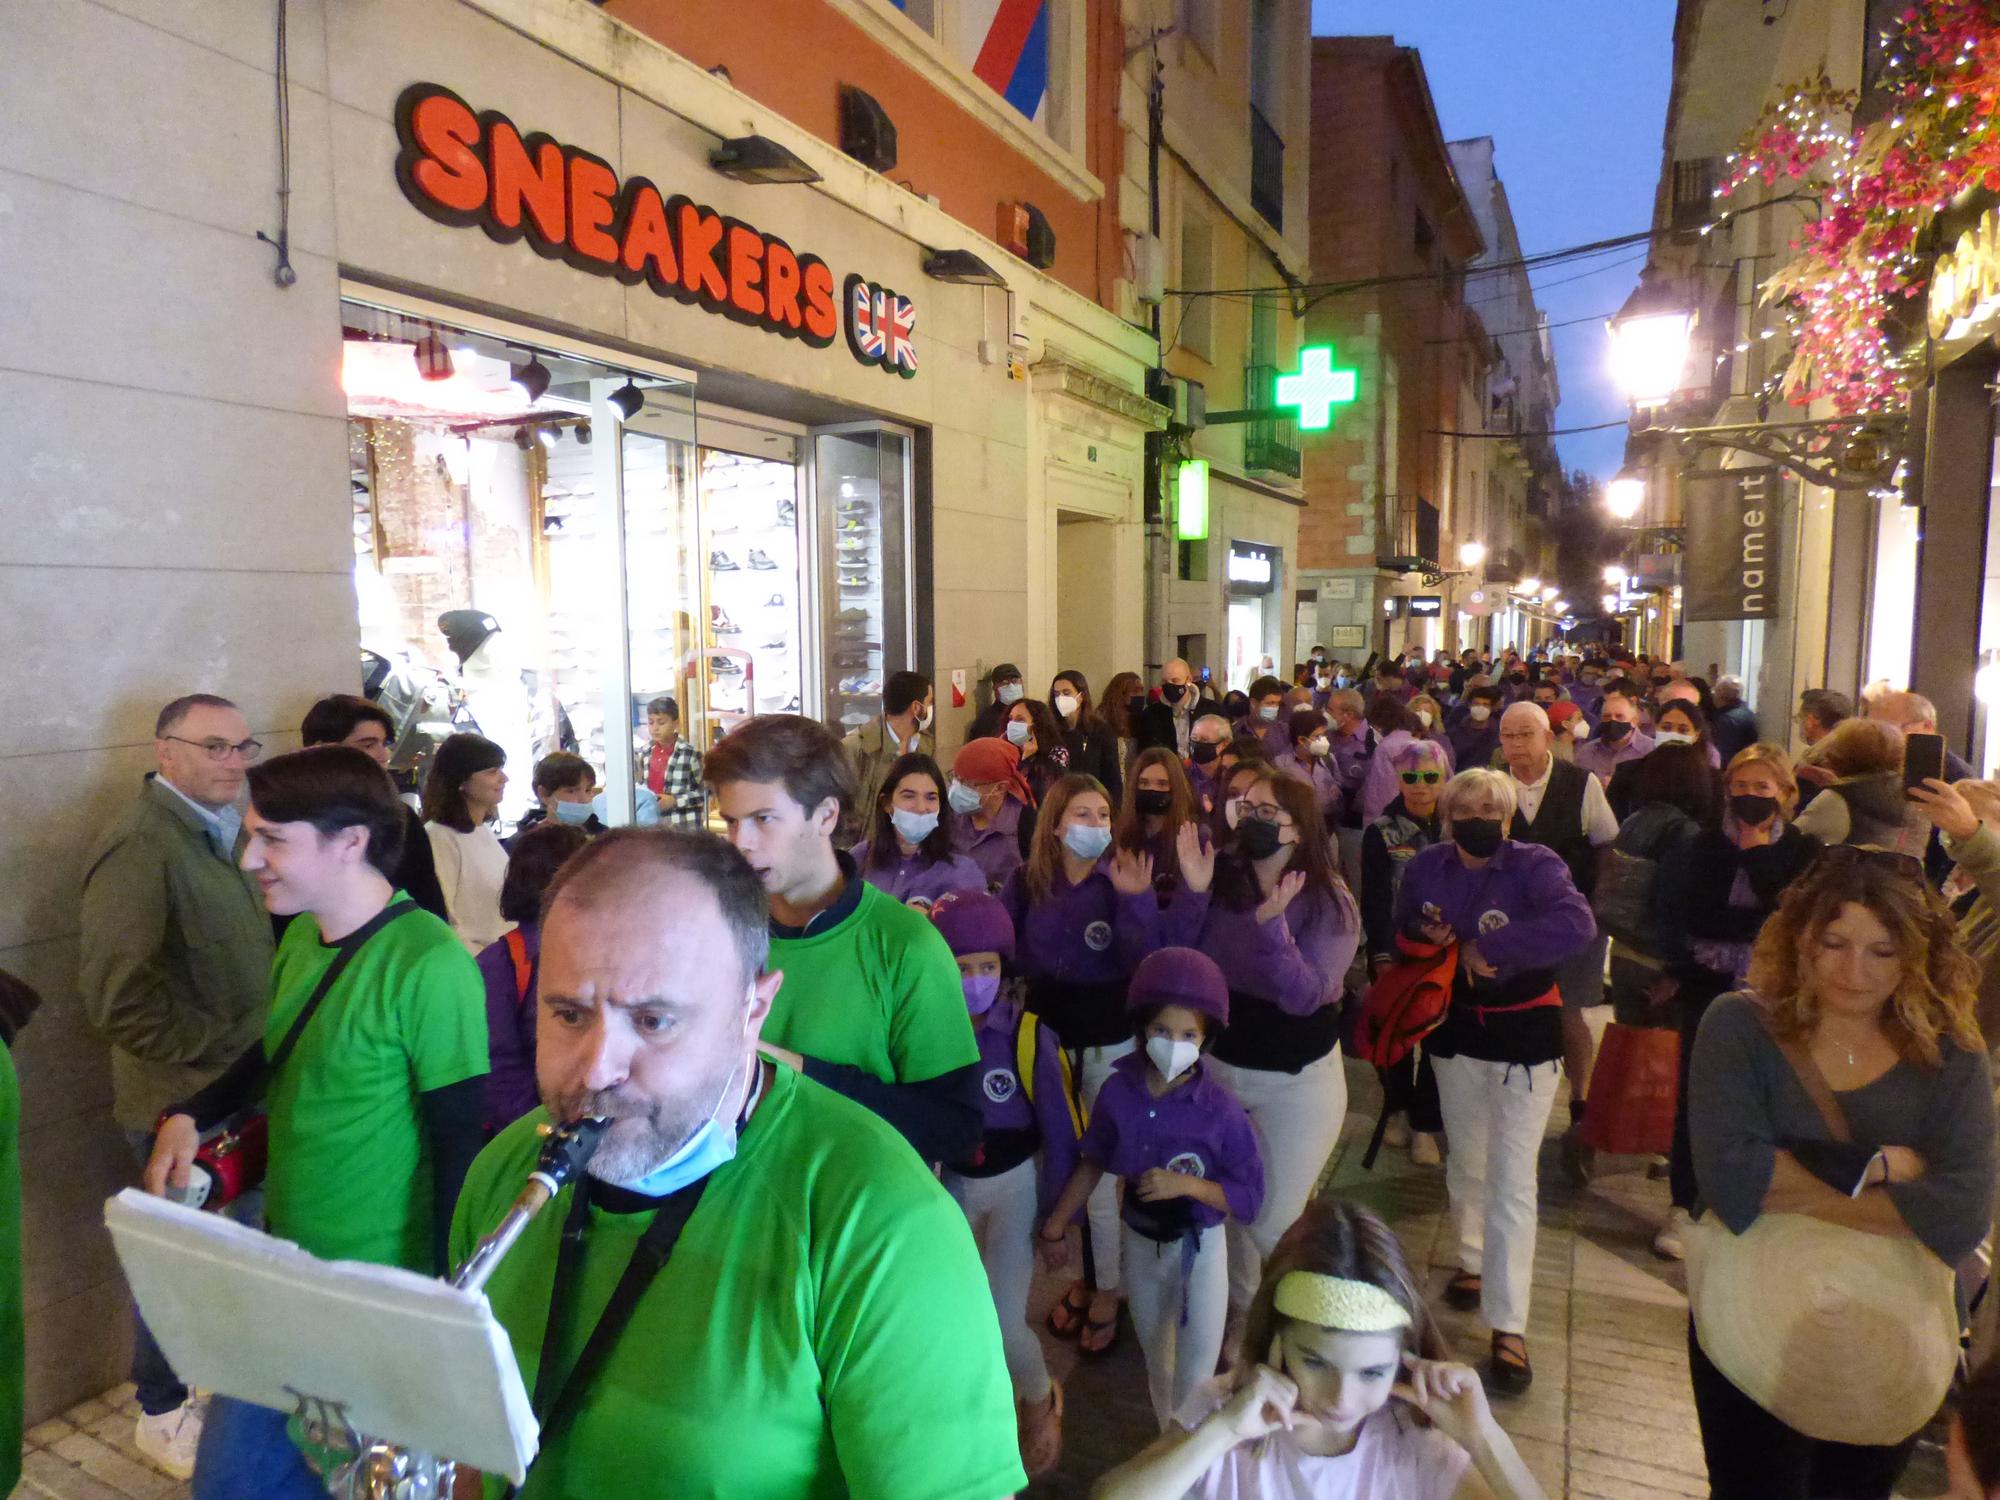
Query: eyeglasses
[(1260, 812), (1852, 856), (219, 750), (1427, 778)]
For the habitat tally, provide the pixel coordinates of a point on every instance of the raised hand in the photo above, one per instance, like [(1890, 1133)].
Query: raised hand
[(1289, 885), (1197, 860), (1131, 872), (1450, 1395), (1263, 1401)]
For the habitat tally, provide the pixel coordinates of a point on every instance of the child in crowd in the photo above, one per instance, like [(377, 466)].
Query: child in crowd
[(1339, 1391), (1029, 1108), (509, 966), (564, 786), (1185, 1151), (907, 850)]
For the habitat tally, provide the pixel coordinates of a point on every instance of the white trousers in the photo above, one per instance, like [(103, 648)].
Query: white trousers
[(1495, 1115), (1001, 1211), (1179, 1355), (1297, 1118), (1101, 1212)]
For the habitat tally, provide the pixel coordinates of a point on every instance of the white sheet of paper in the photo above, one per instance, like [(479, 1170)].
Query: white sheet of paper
[(414, 1361)]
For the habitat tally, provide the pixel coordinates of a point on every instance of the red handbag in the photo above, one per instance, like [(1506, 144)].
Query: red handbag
[(1633, 1090), (1406, 1002)]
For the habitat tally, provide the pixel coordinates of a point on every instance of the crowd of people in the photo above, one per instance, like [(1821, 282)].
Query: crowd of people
[(1083, 994)]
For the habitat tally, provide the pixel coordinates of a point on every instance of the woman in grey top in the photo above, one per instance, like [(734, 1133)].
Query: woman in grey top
[(1860, 965)]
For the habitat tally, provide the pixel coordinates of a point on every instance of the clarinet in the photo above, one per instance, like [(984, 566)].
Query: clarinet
[(358, 1468)]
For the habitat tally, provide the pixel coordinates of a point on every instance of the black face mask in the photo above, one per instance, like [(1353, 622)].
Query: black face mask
[(1479, 837), (1201, 752), (1746, 807), (1258, 840), (1171, 692), (1517, 677), (1611, 731), (1136, 705), (1153, 804)]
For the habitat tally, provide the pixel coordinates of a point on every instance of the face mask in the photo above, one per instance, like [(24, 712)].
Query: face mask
[(1517, 677), (1479, 713), (1258, 840), (915, 827), (1424, 717), (1317, 658), (1067, 704), (1268, 713), (1085, 841), (1579, 729), (1343, 681), (1008, 693), (981, 990), (1172, 1058), (1201, 752), (1153, 804), (924, 721), (1318, 745), (576, 814), (1611, 731), (1479, 837), (1172, 691), (1754, 810), (1017, 732), (712, 1145), (1671, 737), (963, 799)]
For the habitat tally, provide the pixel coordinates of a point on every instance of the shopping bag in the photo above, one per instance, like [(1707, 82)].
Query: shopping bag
[(1630, 1111)]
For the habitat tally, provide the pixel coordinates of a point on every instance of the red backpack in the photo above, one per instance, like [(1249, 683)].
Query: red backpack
[(1405, 1004)]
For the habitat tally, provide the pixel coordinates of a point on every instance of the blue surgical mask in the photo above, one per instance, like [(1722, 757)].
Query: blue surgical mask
[(576, 813), (712, 1145), (981, 990), (915, 827), (1268, 713), (1086, 841), (1008, 693), (963, 799), (1017, 732)]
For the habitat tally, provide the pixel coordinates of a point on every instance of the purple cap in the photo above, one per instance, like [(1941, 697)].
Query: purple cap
[(974, 922), (1179, 976)]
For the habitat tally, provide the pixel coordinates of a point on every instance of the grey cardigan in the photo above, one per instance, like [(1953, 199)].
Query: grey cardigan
[(1745, 1104)]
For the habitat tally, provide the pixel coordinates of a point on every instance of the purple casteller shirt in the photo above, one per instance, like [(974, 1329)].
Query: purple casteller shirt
[(510, 1030), (1601, 758), (1520, 907), (1197, 1127), (1005, 1105), (1087, 933), (1317, 773), (1297, 961), (1350, 758), (915, 883), (1277, 735), (996, 848)]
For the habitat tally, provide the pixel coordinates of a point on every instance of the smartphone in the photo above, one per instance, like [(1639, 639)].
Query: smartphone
[(1923, 758)]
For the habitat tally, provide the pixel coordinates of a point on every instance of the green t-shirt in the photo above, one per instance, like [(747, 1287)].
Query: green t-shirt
[(350, 1172), (878, 991), (823, 1327)]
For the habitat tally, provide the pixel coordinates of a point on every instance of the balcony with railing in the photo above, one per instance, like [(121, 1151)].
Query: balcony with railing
[(1505, 566), (1267, 170), (1410, 540), (1272, 446)]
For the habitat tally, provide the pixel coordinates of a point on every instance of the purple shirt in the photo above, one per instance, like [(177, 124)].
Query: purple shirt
[(996, 848), (915, 883), (1182, 911), (1350, 757), (1202, 780), (1317, 773), (1473, 743), (1297, 961), (1197, 1128), (1087, 933), (1005, 1104), (510, 1029), (1277, 736), (1601, 758), (1521, 907)]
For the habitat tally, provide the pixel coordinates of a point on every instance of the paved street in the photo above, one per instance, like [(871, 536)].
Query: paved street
[(1609, 1417)]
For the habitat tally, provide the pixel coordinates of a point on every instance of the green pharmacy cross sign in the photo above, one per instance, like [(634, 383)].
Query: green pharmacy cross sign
[(1317, 388)]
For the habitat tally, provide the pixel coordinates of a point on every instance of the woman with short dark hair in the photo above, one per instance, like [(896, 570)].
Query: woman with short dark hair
[(461, 800)]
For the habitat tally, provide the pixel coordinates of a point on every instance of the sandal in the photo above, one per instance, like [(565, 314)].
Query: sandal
[(1066, 1318), (1512, 1374), (1461, 1293), (1100, 1335), (1040, 1425)]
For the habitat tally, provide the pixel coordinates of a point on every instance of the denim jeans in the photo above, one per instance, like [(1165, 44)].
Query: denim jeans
[(246, 1454)]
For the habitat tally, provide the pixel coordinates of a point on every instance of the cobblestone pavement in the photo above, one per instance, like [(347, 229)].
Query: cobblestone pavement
[(1608, 1418)]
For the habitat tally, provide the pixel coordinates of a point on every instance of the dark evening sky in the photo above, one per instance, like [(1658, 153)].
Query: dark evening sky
[(1574, 94)]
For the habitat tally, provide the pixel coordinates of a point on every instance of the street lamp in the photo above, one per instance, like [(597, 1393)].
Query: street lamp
[(1531, 585), (1615, 576), (1649, 341), (1625, 494), (1550, 593), (1472, 554)]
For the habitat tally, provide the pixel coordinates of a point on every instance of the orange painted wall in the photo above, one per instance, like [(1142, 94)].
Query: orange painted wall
[(794, 55)]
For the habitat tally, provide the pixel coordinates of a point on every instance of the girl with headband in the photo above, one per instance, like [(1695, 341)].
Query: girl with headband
[(1346, 1395)]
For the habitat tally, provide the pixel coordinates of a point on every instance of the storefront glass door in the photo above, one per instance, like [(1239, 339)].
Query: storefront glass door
[(863, 589)]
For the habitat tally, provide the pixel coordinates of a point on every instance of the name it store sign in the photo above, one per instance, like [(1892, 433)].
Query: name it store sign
[(477, 170)]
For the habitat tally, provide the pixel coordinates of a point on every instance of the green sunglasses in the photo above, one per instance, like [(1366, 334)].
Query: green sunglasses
[(1428, 778)]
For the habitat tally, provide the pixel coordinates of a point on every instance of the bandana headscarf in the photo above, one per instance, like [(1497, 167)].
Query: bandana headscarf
[(992, 760)]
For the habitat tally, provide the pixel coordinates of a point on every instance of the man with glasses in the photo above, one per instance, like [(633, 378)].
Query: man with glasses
[(344, 719), (175, 970)]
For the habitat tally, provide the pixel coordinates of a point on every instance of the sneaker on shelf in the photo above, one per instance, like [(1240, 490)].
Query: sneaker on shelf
[(168, 1441), (857, 581), (724, 666), (721, 562), (779, 644), (847, 543), (761, 562), (792, 707), (1424, 1149), (776, 601), (788, 513), (720, 623), (1671, 1242), (850, 526), (860, 687), (857, 661), (847, 615), (854, 720)]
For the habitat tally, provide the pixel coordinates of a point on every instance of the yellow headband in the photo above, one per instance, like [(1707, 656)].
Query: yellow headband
[(1334, 1302)]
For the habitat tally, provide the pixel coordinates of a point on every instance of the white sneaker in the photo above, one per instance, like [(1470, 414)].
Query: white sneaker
[(1397, 1136), (1424, 1149), (1669, 1244), (168, 1441)]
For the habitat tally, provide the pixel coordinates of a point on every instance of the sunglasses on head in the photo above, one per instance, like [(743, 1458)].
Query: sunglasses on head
[(1849, 856), (1427, 778)]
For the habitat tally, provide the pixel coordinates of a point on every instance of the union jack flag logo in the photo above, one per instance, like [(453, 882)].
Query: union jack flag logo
[(881, 327)]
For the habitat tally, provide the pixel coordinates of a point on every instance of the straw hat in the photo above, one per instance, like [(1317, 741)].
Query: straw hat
[(1844, 1336)]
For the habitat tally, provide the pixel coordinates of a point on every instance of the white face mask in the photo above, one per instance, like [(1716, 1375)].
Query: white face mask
[(1172, 1058), (1671, 737), (923, 721), (1580, 730), (1067, 704), (1479, 713), (1319, 744), (1424, 717)]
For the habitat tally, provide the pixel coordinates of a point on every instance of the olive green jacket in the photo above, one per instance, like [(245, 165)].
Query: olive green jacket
[(175, 967), (873, 751)]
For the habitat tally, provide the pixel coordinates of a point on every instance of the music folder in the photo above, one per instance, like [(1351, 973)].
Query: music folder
[(411, 1360)]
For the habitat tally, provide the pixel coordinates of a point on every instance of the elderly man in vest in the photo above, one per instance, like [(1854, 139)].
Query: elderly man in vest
[(1563, 806)]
